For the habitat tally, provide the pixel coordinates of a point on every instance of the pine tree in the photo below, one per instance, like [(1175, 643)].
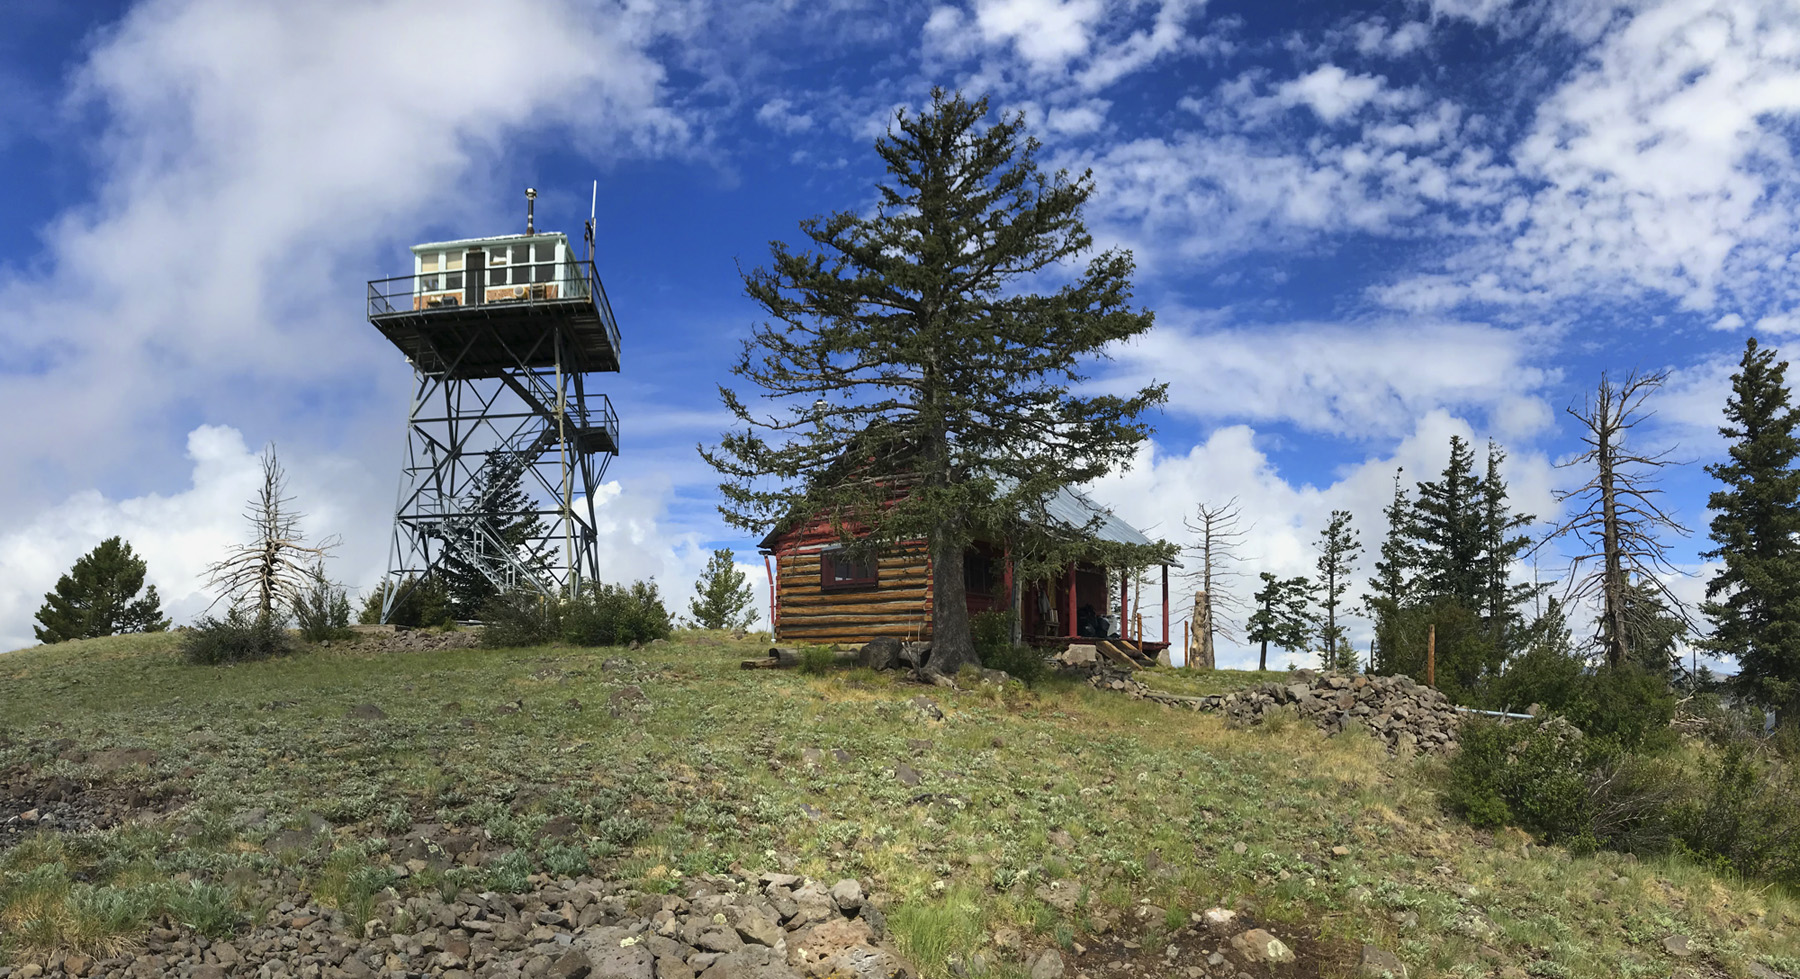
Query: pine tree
[(509, 514), (1753, 601), (1338, 547), (912, 337), (98, 597), (1396, 573), (1448, 520), (1501, 546), (1281, 615), (723, 596)]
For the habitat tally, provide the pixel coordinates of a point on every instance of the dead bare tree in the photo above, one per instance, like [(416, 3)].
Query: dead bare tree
[(1618, 520), (275, 567), (1217, 606)]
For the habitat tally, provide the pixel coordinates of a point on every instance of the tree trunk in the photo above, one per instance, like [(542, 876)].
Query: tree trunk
[(1205, 658), (1262, 662), (951, 646), (1612, 585)]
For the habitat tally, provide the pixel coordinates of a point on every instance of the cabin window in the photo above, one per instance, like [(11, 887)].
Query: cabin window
[(844, 569), (979, 576)]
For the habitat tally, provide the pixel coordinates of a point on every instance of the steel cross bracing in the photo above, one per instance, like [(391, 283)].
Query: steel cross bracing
[(468, 437)]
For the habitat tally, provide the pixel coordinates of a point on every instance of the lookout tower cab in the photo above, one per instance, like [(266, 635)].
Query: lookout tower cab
[(506, 444), (482, 304)]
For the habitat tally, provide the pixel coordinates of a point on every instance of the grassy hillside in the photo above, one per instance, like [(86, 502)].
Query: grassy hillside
[(1147, 815)]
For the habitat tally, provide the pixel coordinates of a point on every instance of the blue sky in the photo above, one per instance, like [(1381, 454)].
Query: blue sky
[(1363, 227)]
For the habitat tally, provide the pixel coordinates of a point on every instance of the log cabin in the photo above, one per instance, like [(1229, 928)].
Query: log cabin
[(823, 592)]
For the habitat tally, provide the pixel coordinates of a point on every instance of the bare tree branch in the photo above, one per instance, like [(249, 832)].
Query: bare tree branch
[(1619, 519), (274, 567), (1217, 607)]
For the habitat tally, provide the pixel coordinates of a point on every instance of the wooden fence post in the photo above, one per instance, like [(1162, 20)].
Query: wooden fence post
[(1431, 657)]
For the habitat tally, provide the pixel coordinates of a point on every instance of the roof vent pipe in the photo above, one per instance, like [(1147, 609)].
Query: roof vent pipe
[(530, 210)]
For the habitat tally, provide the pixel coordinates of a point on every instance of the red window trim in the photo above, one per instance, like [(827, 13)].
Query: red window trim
[(829, 581)]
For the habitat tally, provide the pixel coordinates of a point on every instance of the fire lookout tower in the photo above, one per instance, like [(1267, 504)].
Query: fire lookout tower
[(502, 334)]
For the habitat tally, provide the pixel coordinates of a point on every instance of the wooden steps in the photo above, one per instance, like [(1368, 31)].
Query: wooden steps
[(1125, 653)]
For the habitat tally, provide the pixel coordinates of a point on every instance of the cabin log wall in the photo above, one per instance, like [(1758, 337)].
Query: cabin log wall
[(897, 605)]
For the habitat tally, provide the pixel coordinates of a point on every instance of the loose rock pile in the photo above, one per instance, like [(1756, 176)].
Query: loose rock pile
[(410, 640), (776, 926), (1404, 715)]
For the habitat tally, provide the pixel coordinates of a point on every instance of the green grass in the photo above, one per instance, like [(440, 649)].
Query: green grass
[(1019, 787), (1206, 683)]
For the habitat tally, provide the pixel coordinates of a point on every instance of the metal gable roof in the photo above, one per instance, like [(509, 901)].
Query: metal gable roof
[(1073, 508)]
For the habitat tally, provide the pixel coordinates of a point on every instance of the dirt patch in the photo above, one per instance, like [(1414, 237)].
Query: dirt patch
[(1193, 952), (31, 802)]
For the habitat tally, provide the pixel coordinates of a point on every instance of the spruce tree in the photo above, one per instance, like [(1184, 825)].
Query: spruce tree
[(502, 506), (1449, 519), (1396, 572), (1281, 615), (909, 350), (1501, 546), (1753, 601), (98, 597), (723, 596), (1338, 547)]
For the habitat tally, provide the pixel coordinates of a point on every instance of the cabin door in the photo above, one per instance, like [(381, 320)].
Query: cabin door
[(475, 282)]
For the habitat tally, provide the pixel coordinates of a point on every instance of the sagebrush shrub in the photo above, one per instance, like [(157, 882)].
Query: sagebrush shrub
[(239, 637)]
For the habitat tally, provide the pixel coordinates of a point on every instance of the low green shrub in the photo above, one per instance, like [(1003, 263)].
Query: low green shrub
[(1533, 775), (238, 637), (616, 615), (1626, 707), (322, 611), (1746, 817), (421, 603), (817, 660), (991, 633), (518, 618)]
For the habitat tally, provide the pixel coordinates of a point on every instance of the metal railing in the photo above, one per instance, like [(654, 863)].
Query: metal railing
[(530, 282)]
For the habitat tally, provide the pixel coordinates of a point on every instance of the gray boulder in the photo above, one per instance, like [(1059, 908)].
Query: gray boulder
[(881, 653)]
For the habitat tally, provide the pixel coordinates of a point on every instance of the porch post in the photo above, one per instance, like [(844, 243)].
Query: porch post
[(1012, 598), (1124, 605), (771, 573), (1165, 604), (1070, 627)]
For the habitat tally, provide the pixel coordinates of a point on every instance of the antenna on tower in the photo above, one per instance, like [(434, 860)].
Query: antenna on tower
[(530, 210), (593, 208)]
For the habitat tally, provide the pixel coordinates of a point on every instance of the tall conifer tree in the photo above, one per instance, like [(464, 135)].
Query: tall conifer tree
[(1502, 544), (1753, 601), (1396, 569), (1448, 516), (1281, 615), (1338, 548), (909, 348), (508, 512)]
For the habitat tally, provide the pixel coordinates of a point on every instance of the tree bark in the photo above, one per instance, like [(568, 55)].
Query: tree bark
[(951, 646), (1613, 584)]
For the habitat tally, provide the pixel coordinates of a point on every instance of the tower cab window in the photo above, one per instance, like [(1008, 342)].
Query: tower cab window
[(522, 263)]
